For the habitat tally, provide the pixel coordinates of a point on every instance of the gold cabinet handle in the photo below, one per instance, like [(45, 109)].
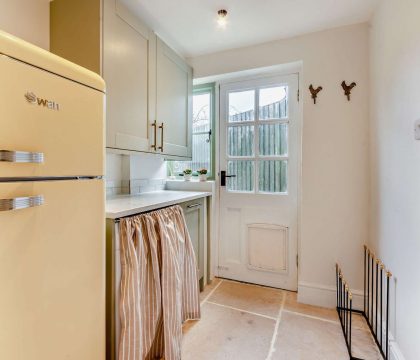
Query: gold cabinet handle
[(161, 139), (154, 125)]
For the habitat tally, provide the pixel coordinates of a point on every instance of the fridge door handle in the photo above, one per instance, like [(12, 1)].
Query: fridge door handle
[(21, 203), (21, 156)]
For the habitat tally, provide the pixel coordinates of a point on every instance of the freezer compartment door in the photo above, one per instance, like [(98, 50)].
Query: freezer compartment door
[(52, 272), (49, 125)]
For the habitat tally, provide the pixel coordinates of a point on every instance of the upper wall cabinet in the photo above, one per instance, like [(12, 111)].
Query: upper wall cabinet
[(126, 62), (173, 101), (148, 84)]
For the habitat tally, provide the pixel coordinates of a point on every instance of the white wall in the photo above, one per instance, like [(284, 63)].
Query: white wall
[(334, 223), (27, 19), (134, 173), (395, 158)]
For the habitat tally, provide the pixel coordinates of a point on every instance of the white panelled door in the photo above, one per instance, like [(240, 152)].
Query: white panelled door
[(259, 154)]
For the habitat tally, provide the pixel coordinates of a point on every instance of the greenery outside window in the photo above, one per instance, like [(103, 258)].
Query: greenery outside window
[(203, 134)]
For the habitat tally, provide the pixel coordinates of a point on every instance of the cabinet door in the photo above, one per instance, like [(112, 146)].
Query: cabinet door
[(194, 217), (173, 102), (126, 46)]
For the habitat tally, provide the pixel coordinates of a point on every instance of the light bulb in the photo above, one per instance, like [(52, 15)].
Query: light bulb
[(222, 19)]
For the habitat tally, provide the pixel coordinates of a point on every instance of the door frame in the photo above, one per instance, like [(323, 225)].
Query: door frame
[(295, 70)]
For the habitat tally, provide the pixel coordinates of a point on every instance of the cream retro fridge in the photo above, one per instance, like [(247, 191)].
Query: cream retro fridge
[(52, 251)]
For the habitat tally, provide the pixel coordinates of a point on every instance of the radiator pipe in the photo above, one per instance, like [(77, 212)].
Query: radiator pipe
[(348, 316), (376, 297), (341, 296), (388, 276), (368, 285), (371, 309), (382, 281), (351, 308), (364, 280), (336, 282), (346, 300)]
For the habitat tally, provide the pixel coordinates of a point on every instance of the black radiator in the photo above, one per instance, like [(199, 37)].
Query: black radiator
[(375, 303)]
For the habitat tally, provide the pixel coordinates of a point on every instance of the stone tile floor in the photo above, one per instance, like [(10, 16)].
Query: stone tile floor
[(250, 322)]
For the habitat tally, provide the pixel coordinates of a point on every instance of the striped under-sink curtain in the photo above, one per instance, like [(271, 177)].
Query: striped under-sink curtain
[(159, 285)]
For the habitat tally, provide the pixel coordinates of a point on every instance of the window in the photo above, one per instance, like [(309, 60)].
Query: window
[(203, 134), (257, 140)]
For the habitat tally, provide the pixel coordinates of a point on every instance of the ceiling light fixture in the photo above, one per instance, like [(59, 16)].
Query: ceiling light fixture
[(222, 18)]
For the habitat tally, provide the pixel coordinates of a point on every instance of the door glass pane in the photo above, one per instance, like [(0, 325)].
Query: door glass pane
[(272, 176), (244, 171), (273, 103), (273, 139), (241, 141), (242, 106)]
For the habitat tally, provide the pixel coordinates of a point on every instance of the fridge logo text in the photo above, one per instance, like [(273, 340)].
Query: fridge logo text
[(33, 99)]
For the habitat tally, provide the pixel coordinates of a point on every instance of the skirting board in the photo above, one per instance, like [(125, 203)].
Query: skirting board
[(325, 296), (395, 352)]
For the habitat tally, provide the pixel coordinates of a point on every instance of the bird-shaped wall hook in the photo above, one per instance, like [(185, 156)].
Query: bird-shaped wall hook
[(314, 92), (348, 88)]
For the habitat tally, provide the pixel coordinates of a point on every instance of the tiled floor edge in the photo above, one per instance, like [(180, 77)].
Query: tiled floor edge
[(241, 310), (276, 330), (211, 293)]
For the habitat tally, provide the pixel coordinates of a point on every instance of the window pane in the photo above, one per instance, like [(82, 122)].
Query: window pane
[(201, 152), (201, 139), (273, 139), (273, 103), (242, 106), (201, 112), (244, 171), (272, 176), (241, 141)]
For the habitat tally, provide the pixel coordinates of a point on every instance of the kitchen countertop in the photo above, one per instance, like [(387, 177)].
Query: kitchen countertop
[(126, 205)]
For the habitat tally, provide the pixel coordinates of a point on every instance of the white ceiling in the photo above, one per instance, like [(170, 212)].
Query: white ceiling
[(190, 25)]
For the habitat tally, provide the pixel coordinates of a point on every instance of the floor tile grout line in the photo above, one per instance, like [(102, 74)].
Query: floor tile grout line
[(262, 315), (211, 293), (242, 310), (319, 318), (276, 329), (311, 316)]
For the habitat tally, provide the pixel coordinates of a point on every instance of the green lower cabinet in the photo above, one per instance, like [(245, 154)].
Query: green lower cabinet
[(194, 212)]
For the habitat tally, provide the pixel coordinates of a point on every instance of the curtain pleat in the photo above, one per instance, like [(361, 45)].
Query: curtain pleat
[(159, 285)]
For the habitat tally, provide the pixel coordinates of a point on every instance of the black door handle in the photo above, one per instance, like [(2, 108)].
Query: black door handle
[(223, 177)]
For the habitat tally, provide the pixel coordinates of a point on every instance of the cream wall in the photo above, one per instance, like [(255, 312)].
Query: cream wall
[(334, 222), (27, 19), (395, 158)]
